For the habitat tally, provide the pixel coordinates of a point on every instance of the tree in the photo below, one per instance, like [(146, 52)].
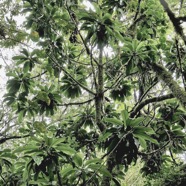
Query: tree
[(96, 85)]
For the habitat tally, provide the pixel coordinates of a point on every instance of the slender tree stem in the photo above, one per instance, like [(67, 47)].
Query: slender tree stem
[(100, 93)]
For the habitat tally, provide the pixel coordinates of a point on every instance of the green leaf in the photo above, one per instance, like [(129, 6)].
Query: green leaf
[(118, 35), (38, 159), (87, 16), (125, 116), (9, 100), (104, 136), (13, 85), (21, 115), (68, 171), (8, 155), (66, 149), (141, 130), (114, 121), (26, 148), (134, 122), (25, 175), (78, 160), (25, 52), (34, 36), (26, 67), (100, 169), (40, 126), (146, 137), (142, 142), (140, 46), (93, 161), (57, 141), (19, 57)]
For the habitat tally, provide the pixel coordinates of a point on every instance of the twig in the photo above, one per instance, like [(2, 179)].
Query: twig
[(39, 75), (76, 103)]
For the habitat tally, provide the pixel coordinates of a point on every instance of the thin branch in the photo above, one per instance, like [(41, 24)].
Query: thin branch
[(69, 75), (144, 94), (76, 103), (3, 140), (58, 174), (93, 70), (150, 100), (155, 151), (39, 75), (137, 11), (172, 156), (4, 60), (180, 62), (150, 87)]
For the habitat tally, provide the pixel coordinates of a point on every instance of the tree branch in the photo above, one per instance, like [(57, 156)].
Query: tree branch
[(76, 103), (145, 93), (38, 75), (150, 100), (175, 21), (137, 11), (155, 151), (3, 140)]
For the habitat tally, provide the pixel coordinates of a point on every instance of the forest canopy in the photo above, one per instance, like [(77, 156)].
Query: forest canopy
[(93, 88)]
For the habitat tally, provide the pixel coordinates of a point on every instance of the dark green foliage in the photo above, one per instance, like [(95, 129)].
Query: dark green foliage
[(91, 92), (121, 91)]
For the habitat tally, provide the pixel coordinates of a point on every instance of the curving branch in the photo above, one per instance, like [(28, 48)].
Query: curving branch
[(150, 100)]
